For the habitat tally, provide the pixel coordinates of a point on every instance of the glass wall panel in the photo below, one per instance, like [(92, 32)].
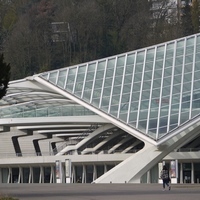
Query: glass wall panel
[(128, 79), (173, 121), (140, 60), (156, 89), (147, 75), (62, 78), (120, 61), (196, 172), (45, 76), (147, 82), (153, 125), (70, 79), (128, 76), (79, 80), (53, 77), (133, 118), (197, 58), (179, 61), (15, 175), (175, 103), (47, 174), (130, 59), (166, 90), (5, 173), (107, 84), (196, 102), (42, 112), (114, 109), (169, 55), (105, 103), (117, 85), (54, 111), (89, 81), (185, 106), (78, 173), (196, 82), (26, 172), (100, 170), (36, 174), (89, 173), (150, 57)]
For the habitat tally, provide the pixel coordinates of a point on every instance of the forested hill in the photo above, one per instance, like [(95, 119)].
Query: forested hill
[(41, 35)]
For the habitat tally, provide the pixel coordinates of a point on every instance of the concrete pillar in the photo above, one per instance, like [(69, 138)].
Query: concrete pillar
[(181, 172), (84, 174), (105, 168), (192, 173), (149, 177), (41, 174), (9, 180), (30, 175), (94, 172), (20, 177), (73, 174), (52, 177), (0, 175)]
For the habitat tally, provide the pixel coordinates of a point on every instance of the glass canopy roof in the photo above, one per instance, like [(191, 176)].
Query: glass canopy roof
[(24, 103), (154, 89)]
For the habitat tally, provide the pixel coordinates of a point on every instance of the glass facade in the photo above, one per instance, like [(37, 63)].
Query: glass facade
[(154, 89), (48, 110)]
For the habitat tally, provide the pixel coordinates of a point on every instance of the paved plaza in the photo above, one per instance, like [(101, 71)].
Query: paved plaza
[(99, 191)]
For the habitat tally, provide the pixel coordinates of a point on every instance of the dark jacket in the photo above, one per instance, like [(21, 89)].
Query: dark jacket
[(164, 174)]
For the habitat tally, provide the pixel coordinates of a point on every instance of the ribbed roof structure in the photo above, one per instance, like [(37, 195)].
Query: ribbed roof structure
[(139, 106), (153, 90)]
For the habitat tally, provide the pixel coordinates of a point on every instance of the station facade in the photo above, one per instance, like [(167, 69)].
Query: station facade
[(112, 120)]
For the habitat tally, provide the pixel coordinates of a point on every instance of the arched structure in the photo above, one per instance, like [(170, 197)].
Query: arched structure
[(115, 118)]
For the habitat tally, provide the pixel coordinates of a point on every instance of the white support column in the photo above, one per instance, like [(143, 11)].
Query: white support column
[(160, 165), (94, 172), (9, 180), (20, 176), (181, 172), (63, 173), (41, 175), (84, 174), (0, 175), (52, 176), (59, 171), (30, 175), (192, 173), (105, 168), (73, 174), (149, 177), (68, 171)]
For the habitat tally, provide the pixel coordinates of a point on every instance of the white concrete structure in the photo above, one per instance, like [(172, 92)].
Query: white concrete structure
[(113, 120)]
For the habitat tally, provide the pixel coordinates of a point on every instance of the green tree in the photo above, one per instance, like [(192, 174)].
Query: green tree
[(4, 76)]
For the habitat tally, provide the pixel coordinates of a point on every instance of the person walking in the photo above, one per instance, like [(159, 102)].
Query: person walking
[(165, 177)]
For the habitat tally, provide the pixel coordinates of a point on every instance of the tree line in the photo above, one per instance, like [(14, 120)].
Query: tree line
[(41, 35)]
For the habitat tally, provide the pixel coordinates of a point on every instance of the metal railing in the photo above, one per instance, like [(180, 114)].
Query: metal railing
[(77, 139)]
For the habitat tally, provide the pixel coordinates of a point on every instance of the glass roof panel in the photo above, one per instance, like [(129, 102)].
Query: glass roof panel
[(145, 86)]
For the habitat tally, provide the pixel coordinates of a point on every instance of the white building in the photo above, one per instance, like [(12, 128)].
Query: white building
[(115, 119)]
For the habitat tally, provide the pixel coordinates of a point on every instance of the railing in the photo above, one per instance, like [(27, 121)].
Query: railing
[(12, 155), (187, 150), (21, 155), (75, 140)]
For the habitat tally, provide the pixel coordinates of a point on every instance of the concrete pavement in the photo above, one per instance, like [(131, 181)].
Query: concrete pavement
[(100, 191)]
